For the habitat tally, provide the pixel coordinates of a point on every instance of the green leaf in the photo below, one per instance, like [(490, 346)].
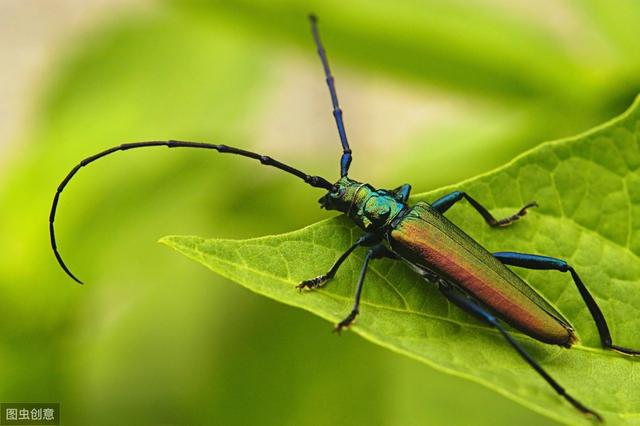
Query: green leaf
[(588, 188)]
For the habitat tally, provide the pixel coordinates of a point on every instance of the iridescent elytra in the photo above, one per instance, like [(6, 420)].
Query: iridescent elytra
[(419, 235)]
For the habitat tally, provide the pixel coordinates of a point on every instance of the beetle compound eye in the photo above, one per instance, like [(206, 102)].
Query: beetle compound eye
[(338, 191)]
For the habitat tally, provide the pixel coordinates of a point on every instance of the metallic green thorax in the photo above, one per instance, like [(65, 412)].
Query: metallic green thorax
[(371, 209)]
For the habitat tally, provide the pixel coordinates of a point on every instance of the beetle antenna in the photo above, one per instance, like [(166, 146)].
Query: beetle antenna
[(315, 181), (345, 161)]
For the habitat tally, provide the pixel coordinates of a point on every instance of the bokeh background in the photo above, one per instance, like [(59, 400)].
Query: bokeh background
[(433, 92)]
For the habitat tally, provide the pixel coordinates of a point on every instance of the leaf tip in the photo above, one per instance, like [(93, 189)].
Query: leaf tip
[(174, 241), (168, 240)]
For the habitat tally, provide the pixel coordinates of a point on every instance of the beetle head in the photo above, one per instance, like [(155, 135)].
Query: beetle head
[(342, 196)]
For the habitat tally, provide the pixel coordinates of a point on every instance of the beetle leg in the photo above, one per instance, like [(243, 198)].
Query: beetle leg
[(444, 203), (402, 192), (375, 252), (319, 281), (532, 261), (466, 303)]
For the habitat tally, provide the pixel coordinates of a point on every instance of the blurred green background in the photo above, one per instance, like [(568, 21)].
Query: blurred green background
[(433, 92)]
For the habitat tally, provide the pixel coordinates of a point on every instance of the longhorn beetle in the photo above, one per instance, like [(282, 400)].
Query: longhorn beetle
[(466, 273)]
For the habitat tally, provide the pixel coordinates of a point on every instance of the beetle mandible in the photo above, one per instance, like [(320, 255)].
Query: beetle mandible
[(467, 274)]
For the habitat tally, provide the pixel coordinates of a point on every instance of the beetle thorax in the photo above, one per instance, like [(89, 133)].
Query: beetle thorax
[(371, 209), (376, 211)]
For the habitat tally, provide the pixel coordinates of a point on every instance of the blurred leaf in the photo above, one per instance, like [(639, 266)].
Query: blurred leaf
[(450, 42), (588, 188), (463, 45)]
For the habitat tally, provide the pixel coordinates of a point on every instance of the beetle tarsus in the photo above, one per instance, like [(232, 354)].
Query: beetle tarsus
[(584, 410), (509, 220), (346, 322), (313, 283)]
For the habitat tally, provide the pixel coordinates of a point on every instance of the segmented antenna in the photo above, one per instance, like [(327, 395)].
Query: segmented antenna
[(345, 161), (315, 181)]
